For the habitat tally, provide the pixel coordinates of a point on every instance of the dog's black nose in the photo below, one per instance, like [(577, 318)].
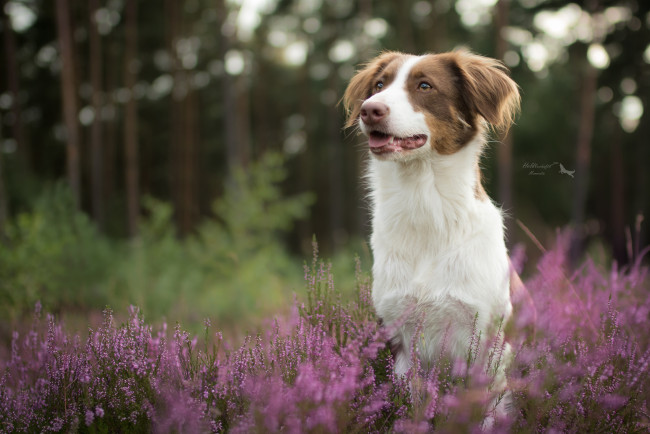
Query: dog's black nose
[(372, 112)]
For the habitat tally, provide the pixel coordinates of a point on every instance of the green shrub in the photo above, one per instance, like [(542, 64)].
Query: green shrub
[(234, 266), (53, 254)]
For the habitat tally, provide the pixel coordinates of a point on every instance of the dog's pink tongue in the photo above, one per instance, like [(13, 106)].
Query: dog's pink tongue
[(376, 140)]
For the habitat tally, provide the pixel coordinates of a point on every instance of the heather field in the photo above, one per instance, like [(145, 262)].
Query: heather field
[(325, 367)]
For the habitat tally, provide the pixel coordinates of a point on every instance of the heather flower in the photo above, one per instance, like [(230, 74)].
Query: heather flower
[(89, 417), (326, 367)]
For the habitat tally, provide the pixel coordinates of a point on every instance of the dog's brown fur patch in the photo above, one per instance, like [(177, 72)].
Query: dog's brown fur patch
[(362, 85)]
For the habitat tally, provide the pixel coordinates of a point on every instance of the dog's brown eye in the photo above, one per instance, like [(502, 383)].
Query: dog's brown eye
[(424, 86), (379, 85)]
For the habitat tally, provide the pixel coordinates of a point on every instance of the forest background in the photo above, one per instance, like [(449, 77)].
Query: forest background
[(181, 156)]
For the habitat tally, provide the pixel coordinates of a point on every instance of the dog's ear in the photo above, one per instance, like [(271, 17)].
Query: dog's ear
[(360, 87), (487, 89)]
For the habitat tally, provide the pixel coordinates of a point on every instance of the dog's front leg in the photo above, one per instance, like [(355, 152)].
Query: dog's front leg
[(401, 355), (396, 311)]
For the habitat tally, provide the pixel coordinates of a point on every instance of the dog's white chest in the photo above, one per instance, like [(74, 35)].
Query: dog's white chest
[(440, 260)]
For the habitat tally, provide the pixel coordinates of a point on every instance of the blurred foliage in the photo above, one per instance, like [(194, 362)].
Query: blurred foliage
[(53, 254), (221, 84), (233, 267), (250, 77)]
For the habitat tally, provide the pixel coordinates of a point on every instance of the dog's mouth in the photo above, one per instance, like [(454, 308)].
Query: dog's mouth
[(382, 143)]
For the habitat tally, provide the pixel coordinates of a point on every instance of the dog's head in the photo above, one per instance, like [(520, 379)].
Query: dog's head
[(409, 106)]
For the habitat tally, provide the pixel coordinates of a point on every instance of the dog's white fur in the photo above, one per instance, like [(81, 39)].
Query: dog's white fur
[(438, 249)]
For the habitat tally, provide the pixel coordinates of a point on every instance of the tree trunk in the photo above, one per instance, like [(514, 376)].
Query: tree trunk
[(583, 157), (131, 119), (189, 197), (13, 83), (641, 201), (17, 127), (242, 98), (261, 137), (504, 154), (184, 131), (230, 120), (617, 205), (436, 31), (4, 207), (175, 109), (236, 116), (365, 10), (583, 149), (111, 127), (335, 171), (361, 211), (69, 98), (405, 25), (305, 163), (96, 141)]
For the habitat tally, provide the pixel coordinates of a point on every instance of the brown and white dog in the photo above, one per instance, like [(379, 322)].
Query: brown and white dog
[(437, 238)]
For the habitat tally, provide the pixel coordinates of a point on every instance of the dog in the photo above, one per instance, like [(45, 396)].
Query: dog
[(440, 257)]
